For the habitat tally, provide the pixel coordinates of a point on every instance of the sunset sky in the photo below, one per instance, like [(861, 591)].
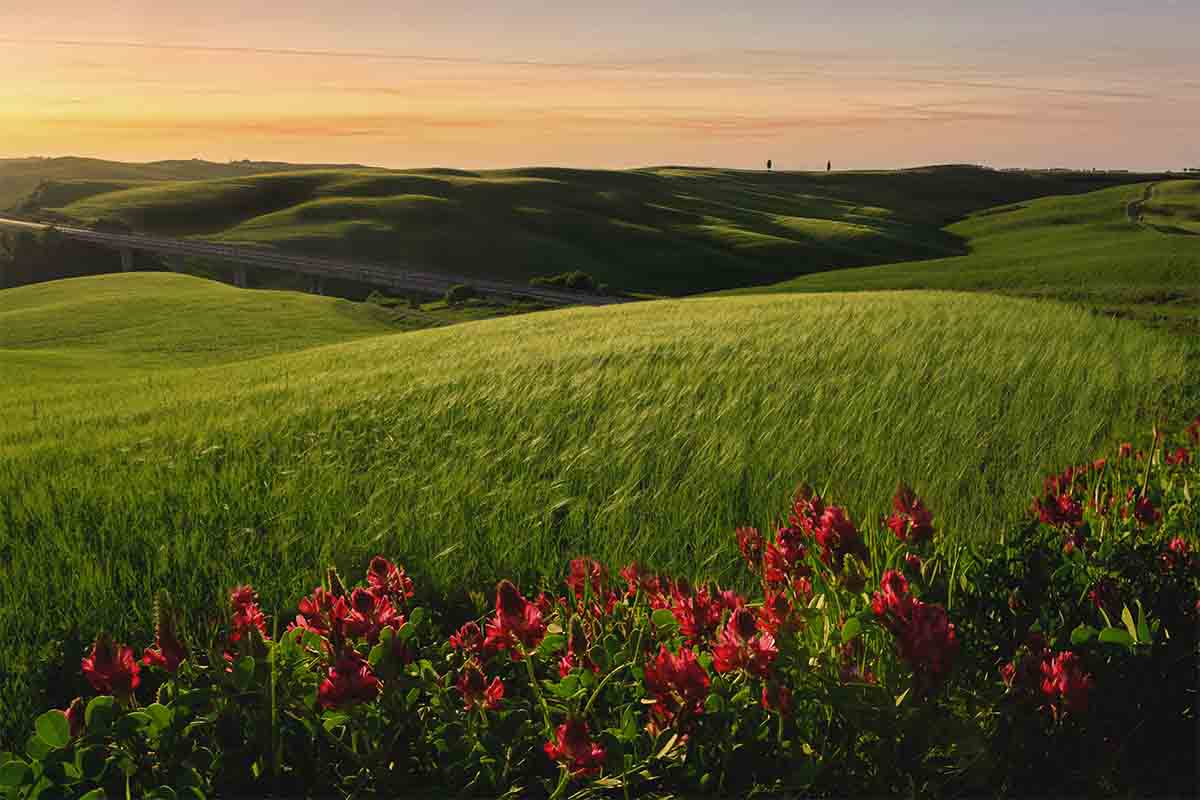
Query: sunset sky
[(616, 84)]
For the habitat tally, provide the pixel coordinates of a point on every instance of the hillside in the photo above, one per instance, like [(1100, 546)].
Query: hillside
[(151, 441), (668, 230), (1091, 249), (20, 178)]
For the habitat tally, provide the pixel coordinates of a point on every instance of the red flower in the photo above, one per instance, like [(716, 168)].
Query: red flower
[(738, 646), (699, 613), (1181, 457), (1126, 450), (350, 681), (469, 638), (517, 621), (574, 749), (1177, 554), (1144, 512), (925, 637), (475, 689), (911, 521), (776, 697), (837, 537), (775, 616), (751, 544), (1104, 596), (786, 558), (316, 612), (1193, 431), (1059, 511), (577, 651), (111, 668), (586, 573), (679, 685), (247, 615), (366, 615), (1065, 685), (636, 580), (389, 580), (913, 563), (169, 652)]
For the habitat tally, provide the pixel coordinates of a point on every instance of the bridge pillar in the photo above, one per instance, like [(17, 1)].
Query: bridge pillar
[(126, 260), (239, 276)]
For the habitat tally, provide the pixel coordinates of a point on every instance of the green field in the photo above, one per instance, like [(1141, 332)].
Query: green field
[(167, 431), (1090, 249), (667, 231)]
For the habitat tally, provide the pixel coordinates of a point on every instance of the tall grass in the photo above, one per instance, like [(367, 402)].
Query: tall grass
[(507, 446)]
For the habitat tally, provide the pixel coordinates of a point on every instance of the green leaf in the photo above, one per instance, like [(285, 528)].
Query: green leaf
[(378, 653), (1116, 636), (95, 794), (1127, 618), (101, 712), (903, 695), (565, 688), (36, 748), (665, 621), (417, 616), (851, 629), (714, 704), (1082, 635), (161, 715), (551, 645), (334, 719), (53, 729), (1143, 628), (139, 719), (91, 761), (14, 773)]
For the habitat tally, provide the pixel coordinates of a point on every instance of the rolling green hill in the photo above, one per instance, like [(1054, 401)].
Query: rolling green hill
[(162, 432), (1090, 249), (668, 230), (22, 179)]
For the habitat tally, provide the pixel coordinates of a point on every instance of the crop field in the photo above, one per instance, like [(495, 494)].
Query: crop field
[(664, 231), (164, 431), (1088, 249)]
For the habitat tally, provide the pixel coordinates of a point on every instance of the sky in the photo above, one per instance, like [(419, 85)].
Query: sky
[(870, 84)]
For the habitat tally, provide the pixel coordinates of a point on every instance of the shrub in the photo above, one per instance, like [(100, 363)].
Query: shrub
[(575, 281), (870, 659), (459, 294)]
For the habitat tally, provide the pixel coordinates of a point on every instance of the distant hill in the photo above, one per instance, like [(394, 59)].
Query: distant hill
[(21, 176), (1130, 250), (663, 230)]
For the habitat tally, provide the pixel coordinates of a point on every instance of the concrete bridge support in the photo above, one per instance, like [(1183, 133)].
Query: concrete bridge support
[(239, 276), (126, 260)]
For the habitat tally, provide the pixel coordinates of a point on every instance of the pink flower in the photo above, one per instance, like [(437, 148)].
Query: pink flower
[(469, 638), (1059, 511), (751, 544), (517, 622), (574, 749), (1065, 685), (388, 580), (1179, 458), (680, 687), (698, 613), (350, 681), (776, 697), (740, 646), (475, 689), (111, 668), (169, 652), (925, 638), (911, 521)]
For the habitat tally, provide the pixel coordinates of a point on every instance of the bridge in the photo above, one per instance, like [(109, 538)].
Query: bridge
[(243, 256)]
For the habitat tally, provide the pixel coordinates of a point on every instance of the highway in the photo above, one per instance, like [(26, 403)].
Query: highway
[(372, 274)]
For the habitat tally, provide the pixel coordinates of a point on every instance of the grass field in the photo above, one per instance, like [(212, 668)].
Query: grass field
[(1086, 249), (669, 231), (166, 431)]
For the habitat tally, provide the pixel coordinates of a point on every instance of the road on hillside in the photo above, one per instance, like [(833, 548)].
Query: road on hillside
[(373, 274)]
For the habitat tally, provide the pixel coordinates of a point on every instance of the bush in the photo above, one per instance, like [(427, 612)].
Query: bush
[(870, 659), (575, 281), (459, 294)]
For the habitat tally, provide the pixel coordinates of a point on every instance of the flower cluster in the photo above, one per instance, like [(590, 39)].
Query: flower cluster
[(925, 636)]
